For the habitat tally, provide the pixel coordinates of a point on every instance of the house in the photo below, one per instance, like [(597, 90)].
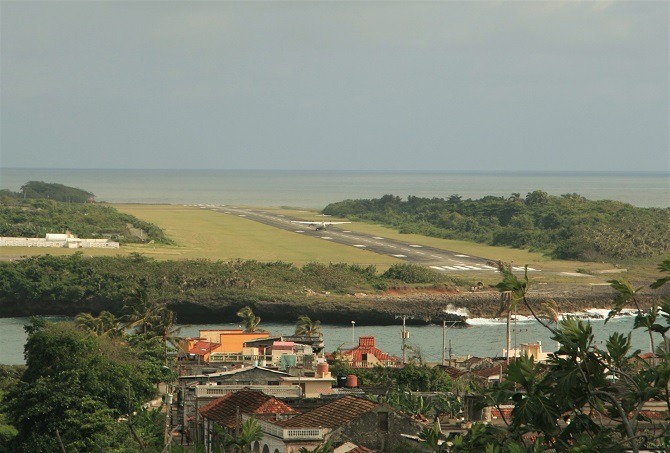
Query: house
[(528, 349), (226, 412), (195, 391), (352, 419), (201, 350), (313, 387), (367, 355)]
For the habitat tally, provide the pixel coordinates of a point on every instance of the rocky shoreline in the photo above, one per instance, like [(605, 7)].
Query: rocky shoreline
[(419, 306)]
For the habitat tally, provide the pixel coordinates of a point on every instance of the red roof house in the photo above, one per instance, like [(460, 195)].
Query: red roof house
[(201, 349), (225, 412), (367, 355)]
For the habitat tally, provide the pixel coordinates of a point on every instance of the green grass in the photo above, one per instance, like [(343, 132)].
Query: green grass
[(204, 234), (201, 233)]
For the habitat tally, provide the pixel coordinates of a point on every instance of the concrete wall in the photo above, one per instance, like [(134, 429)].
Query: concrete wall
[(365, 430)]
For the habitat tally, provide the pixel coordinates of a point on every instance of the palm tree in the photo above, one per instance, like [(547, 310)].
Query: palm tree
[(250, 320), (551, 311), (104, 324), (249, 432), (141, 311), (306, 327)]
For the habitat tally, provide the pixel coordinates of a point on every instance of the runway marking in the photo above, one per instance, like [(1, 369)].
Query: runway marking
[(476, 267), (326, 237), (417, 246), (299, 231), (241, 215), (462, 256), (376, 237), (400, 256), (359, 245), (346, 231)]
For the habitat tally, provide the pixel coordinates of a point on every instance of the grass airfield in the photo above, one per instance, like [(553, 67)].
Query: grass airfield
[(205, 234)]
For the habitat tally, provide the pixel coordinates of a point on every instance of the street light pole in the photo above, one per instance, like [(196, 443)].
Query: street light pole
[(353, 333)]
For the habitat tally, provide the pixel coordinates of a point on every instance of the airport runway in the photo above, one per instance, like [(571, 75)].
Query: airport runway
[(438, 259)]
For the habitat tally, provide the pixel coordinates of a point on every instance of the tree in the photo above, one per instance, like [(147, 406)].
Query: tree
[(104, 324), (250, 432), (305, 326), (433, 438), (250, 320), (76, 386)]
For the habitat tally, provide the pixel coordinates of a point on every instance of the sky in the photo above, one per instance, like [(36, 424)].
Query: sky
[(339, 85)]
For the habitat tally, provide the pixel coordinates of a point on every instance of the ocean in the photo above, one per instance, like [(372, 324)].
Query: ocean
[(315, 189)]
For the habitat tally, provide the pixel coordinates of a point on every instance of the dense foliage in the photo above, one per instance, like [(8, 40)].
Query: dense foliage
[(35, 218), (83, 392), (567, 226), (585, 397), (70, 284)]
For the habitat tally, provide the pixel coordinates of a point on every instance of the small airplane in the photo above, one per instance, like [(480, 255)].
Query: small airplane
[(318, 225)]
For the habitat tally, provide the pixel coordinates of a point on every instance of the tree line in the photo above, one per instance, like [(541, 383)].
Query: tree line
[(70, 284), (566, 227), (50, 191)]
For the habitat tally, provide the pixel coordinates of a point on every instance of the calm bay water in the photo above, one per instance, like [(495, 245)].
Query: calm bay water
[(485, 338), (315, 189)]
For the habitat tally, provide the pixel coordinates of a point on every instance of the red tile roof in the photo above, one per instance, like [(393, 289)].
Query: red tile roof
[(452, 371), (223, 410), (366, 345), (331, 415), (492, 371), (203, 347)]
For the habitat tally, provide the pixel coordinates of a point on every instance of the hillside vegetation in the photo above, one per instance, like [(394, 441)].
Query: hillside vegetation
[(50, 191), (39, 215), (566, 227)]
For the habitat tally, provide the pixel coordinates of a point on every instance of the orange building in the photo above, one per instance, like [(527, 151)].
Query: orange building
[(231, 341)]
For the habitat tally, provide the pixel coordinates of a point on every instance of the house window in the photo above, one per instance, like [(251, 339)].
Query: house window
[(383, 422), (364, 357), (273, 382)]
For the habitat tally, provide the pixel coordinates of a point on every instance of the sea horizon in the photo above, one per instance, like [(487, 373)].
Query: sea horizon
[(315, 189), (328, 170)]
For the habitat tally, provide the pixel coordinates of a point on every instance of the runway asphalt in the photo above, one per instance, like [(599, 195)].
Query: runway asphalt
[(438, 259)]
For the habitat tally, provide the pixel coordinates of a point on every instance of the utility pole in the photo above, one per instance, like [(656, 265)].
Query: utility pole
[(444, 340), (450, 352), (404, 336)]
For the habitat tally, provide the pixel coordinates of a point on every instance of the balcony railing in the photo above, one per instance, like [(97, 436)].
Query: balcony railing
[(217, 391), (235, 357), (291, 433)]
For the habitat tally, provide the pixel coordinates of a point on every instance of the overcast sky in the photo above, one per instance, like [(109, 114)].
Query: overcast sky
[(467, 85)]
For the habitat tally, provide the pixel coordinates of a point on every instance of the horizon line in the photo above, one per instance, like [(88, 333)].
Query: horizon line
[(325, 170)]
